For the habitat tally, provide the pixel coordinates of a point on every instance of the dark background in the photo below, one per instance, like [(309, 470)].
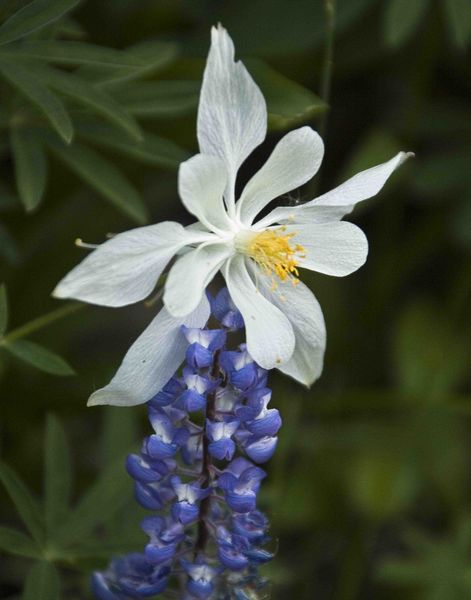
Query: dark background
[(369, 491)]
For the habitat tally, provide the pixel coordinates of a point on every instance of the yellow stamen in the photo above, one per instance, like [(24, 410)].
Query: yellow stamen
[(273, 251)]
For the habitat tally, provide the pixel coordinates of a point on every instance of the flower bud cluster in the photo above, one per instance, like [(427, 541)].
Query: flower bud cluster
[(199, 469)]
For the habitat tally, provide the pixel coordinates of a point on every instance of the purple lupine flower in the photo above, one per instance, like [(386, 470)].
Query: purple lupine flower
[(165, 535), (225, 311), (153, 496), (241, 370), (241, 482), (203, 344), (197, 386), (168, 393), (220, 434), (174, 468), (132, 576), (201, 577), (252, 525), (166, 440), (186, 509)]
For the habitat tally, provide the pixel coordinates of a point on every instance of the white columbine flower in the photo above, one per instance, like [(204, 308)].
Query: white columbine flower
[(258, 259)]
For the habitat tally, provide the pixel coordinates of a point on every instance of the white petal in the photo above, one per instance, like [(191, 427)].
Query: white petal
[(270, 337), (126, 268), (298, 303), (201, 182), (337, 203), (189, 276), (336, 248), (152, 360), (294, 161), (232, 114)]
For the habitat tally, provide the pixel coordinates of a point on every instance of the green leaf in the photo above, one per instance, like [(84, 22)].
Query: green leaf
[(57, 475), (159, 98), (288, 102), (8, 200), (30, 166), (34, 16), (39, 357), (15, 542), (105, 178), (119, 434), (3, 309), (30, 86), (430, 357), (146, 58), (102, 502), (8, 248), (25, 504), (401, 19), (459, 20), (93, 98), (76, 53), (152, 150), (42, 582)]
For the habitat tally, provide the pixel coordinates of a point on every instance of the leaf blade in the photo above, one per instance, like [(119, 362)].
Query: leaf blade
[(401, 19), (30, 167), (40, 96), (288, 102), (105, 178), (57, 474), (3, 309), (39, 357), (107, 496), (152, 150), (32, 17), (15, 542), (93, 98), (42, 582), (25, 504)]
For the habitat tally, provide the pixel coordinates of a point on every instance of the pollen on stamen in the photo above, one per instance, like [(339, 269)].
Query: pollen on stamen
[(275, 254)]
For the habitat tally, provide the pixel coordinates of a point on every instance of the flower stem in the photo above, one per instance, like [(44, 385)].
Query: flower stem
[(206, 470), (41, 322), (328, 64)]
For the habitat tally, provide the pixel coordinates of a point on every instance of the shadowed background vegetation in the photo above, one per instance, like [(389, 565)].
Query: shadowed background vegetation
[(369, 491)]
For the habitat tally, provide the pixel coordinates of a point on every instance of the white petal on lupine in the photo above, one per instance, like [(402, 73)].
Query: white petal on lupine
[(294, 161), (298, 303), (270, 337), (189, 276), (232, 113), (340, 201), (338, 248), (201, 183), (152, 360), (126, 268)]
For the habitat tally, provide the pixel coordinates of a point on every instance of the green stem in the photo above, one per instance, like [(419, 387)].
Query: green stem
[(328, 64), (41, 322)]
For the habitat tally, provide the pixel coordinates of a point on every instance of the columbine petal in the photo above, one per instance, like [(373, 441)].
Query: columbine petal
[(305, 314), (126, 268), (152, 359), (338, 248), (189, 276), (337, 203), (270, 337), (201, 183), (293, 162), (232, 114)]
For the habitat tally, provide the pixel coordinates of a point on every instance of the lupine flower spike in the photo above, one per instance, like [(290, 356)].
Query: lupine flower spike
[(199, 473)]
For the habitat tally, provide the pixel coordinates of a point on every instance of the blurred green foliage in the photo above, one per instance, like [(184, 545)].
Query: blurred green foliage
[(369, 492)]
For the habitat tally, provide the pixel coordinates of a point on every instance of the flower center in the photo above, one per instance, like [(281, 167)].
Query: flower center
[(275, 254)]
